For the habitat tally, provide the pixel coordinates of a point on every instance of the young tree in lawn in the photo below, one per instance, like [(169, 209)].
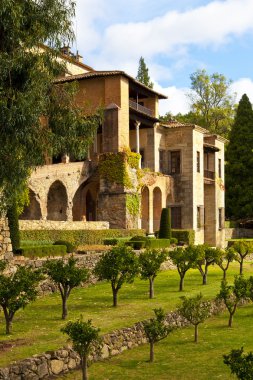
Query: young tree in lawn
[(211, 256), (223, 261), (240, 364), (16, 291), (118, 266), (67, 276), (233, 294), (156, 329), (84, 336), (150, 262), (195, 310), (242, 249), (185, 259)]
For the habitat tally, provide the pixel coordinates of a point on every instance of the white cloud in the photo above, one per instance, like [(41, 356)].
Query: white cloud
[(243, 86), (177, 101)]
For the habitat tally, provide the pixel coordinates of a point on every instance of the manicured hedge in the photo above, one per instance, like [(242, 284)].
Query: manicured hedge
[(43, 251), (69, 247), (158, 243), (115, 241), (186, 236), (139, 244), (78, 237)]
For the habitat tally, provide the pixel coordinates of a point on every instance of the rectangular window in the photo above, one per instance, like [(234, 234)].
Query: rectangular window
[(198, 162), (142, 158), (221, 218), (175, 162), (219, 167), (176, 220), (162, 161), (198, 218)]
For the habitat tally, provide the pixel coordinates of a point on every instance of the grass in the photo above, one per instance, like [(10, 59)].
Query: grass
[(36, 329), (177, 357)]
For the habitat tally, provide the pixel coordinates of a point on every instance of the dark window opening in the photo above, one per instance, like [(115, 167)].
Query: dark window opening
[(198, 162), (175, 162), (176, 219)]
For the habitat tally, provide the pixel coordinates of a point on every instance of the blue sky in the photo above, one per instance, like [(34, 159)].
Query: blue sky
[(175, 38)]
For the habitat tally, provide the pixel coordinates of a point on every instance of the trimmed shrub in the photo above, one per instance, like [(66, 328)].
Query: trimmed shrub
[(33, 243), (173, 241), (43, 251), (115, 241), (12, 215), (185, 236), (139, 238), (165, 224), (158, 243), (136, 244), (78, 237), (69, 246)]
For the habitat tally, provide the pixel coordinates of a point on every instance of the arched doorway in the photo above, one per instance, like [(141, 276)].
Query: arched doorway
[(157, 208), (33, 210), (57, 202), (145, 209), (85, 202)]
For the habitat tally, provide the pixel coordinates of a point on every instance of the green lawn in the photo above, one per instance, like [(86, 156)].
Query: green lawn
[(177, 357), (36, 329)]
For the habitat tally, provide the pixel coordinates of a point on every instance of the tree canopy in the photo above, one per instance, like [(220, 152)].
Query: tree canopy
[(143, 75), (239, 167), (28, 121)]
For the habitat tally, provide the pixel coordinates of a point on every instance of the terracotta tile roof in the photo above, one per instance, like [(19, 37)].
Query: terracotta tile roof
[(97, 74)]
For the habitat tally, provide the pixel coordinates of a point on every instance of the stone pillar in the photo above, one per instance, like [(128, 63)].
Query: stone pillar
[(5, 241), (151, 213), (65, 159)]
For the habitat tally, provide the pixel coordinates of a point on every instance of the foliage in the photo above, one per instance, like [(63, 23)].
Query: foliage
[(225, 258), (210, 257), (115, 241), (211, 102), (119, 266), (239, 181), (78, 237), (139, 244), (195, 310), (150, 262), (233, 294), (185, 236), (69, 246), (156, 329), (12, 215), (42, 251), (242, 249), (36, 116), (158, 243), (185, 259), (240, 364), (165, 224), (66, 276), (143, 75), (16, 291), (83, 336), (133, 204)]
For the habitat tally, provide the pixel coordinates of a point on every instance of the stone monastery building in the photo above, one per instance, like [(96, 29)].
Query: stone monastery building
[(180, 166)]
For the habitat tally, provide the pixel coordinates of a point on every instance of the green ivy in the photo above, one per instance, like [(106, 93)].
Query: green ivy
[(133, 204)]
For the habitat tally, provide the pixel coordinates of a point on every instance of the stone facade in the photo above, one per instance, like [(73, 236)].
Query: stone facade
[(61, 225), (5, 241)]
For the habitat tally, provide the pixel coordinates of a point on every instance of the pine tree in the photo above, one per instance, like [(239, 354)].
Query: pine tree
[(239, 168), (143, 75)]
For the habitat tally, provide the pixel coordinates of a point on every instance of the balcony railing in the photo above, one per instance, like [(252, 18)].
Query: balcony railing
[(140, 108), (209, 174)]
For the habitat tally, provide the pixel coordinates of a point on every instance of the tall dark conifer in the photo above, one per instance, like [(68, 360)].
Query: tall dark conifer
[(143, 75), (239, 167)]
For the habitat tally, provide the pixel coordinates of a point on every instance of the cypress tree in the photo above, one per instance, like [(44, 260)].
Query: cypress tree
[(165, 224), (143, 75), (12, 215), (239, 167)]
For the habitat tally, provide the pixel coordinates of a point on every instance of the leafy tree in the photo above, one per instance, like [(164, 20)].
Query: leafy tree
[(150, 262), (185, 259), (240, 364), (28, 126), (211, 256), (225, 258), (66, 276), (242, 249), (16, 291), (142, 75), (156, 329), (233, 294), (195, 310), (211, 102), (84, 336), (119, 265), (165, 224), (239, 167)]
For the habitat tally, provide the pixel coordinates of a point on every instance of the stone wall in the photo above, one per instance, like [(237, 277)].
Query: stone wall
[(61, 225), (65, 359), (236, 233), (5, 241)]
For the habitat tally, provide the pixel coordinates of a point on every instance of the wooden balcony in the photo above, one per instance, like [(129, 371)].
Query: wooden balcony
[(140, 108), (209, 177)]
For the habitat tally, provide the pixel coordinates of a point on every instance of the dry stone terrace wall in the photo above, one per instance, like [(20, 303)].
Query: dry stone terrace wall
[(65, 359), (5, 241), (61, 225)]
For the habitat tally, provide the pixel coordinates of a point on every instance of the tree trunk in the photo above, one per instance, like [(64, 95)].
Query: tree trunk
[(204, 278), (8, 322), (181, 284), (224, 274), (230, 321), (64, 307), (241, 266), (115, 297), (151, 356), (151, 288), (84, 368), (196, 335)]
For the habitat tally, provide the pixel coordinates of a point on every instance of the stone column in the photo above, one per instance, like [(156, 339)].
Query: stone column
[(151, 212)]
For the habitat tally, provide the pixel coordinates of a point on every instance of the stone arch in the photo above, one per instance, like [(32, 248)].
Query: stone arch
[(85, 202), (145, 208), (57, 201), (157, 207), (33, 210)]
